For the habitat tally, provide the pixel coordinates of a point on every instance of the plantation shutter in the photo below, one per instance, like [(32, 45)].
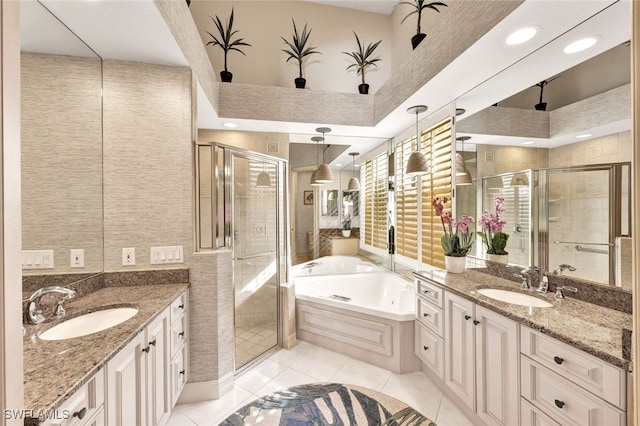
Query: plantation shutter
[(406, 202), (437, 147), (375, 178)]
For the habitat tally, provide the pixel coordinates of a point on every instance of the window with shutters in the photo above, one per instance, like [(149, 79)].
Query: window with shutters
[(375, 177)]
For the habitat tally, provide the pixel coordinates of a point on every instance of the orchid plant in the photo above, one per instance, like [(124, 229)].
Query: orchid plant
[(492, 226), (457, 239)]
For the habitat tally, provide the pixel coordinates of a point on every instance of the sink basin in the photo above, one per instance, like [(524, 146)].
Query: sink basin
[(514, 297), (88, 323)]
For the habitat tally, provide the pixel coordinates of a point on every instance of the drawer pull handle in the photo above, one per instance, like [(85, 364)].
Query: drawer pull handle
[(181, 334), (181, 306), (426, 348), (559, 403), (80, 413), (153, 343), (476, 322), (182, 373), (147, 349), (425, 315), (558, 360), (467, 317)]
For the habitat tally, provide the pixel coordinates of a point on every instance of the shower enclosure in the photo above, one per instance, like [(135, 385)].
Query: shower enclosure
[(578, 217), (248, 199)]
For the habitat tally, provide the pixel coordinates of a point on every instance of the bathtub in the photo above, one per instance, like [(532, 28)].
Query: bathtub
[(334, 265), (367, 316)]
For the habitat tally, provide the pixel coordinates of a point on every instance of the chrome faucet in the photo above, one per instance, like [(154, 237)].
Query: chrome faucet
[(561, 268), (524, 285), (559, 294), (34, 315), (525, 275)]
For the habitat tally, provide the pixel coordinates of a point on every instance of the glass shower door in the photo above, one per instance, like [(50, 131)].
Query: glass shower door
[(255, 239)]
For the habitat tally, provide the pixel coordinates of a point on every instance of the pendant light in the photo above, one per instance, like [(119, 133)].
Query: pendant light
[(417, 163), (313, 181), (463, 177), (323, 172), (354, 184), (264, 180)]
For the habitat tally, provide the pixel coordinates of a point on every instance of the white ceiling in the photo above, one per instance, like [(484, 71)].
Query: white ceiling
[(486, 73)]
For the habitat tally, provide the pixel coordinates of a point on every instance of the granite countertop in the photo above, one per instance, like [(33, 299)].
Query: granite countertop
[(594, 329), (54, 370)]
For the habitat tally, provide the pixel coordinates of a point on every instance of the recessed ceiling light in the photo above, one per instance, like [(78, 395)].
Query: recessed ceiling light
[(528, 142), (580, 45), (230, 125), (584, 136), (522, 35), (338, 165)]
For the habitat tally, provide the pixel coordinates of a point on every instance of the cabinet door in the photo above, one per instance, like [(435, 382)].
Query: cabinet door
[(125, 384), (158, 404), (460, 348), (178, 373), (430, 349), (497, 376)]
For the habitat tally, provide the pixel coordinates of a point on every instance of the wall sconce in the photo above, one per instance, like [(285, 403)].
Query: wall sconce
[(323, 172), (417, 163)]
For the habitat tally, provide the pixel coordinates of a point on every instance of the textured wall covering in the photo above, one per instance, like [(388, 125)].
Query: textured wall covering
[(503, 121), (61, 121)]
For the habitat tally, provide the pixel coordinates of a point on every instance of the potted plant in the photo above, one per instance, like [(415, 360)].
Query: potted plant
[(297, 50), (362, 60), (346, 226), (457, 239), (494, 239), (226, 44), (542, 106), (418, 6)]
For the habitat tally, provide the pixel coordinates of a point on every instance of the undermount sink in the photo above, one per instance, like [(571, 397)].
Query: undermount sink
[(514, 297), (88, 323)]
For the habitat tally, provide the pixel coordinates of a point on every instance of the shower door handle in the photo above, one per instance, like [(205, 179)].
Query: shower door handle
[(251, 256)]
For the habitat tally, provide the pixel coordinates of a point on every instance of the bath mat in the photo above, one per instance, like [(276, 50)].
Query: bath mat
[(326, 404)]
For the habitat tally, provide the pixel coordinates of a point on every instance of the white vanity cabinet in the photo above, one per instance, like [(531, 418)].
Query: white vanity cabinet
[(570, 386), (85, 407), (429, 330), (141, 389), (481, 360), (179, 355)]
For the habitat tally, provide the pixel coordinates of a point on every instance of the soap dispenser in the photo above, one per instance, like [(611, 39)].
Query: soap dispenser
[(543, 287)]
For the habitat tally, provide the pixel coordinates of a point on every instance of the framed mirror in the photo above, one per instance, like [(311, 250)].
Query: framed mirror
[(329, 202)]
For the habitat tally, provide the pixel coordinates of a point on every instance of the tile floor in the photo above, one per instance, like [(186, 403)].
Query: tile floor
[(307, 363), (252, 340)]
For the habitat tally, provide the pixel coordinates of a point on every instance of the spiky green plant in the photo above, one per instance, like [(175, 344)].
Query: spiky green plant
[(362, 58), (297, 47), (224, 38), (418, 6)]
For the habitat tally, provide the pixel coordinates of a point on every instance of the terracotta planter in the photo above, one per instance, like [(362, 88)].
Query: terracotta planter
[(417, 39), (300, 83), (498, 258), (226, 76), (346, 233), (455, 265), (363, 89)]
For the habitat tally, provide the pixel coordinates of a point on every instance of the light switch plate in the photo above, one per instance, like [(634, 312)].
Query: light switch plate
[(166, 254), (77, 258), (128, 256)]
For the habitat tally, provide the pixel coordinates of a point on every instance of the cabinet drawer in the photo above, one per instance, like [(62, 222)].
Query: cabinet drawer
[(179, 374), (84, 406), (178, 334), (593, 374), (178, 307), (531, 416), (430, 349), (430, 292), (431, 316), (563, 400)]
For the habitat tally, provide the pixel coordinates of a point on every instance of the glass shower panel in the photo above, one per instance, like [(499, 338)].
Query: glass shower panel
[(579, 225), (255, 253)]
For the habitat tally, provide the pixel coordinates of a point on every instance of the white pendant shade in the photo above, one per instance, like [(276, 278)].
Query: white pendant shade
[(417, 164), (461, 170), (264, 179), (465, 179), (323, 174), (354, 185)]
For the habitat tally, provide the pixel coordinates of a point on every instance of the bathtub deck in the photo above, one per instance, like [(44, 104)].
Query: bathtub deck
[(379, 341)]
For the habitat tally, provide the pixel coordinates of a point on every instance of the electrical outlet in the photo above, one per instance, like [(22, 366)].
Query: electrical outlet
[(128, 256), (77, 258)]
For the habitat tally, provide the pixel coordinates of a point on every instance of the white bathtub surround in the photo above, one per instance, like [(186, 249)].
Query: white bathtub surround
[(331, 265), (368, 316)]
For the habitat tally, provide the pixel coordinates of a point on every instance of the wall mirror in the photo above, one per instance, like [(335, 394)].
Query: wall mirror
[(329, 201), (61, 131), (566, 198)]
